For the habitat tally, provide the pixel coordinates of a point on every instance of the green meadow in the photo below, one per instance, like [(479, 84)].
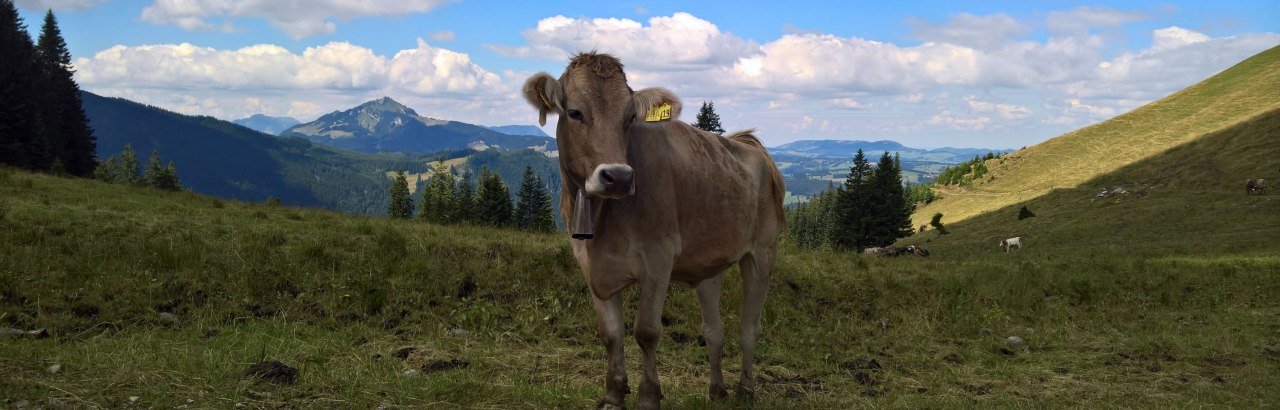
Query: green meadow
[(166, 298)]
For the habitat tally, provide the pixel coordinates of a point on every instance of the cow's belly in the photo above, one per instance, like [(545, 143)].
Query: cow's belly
[(697, 263)]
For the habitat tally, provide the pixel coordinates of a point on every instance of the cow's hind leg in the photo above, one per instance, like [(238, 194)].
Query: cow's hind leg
[(756, 269), (648, 331), (713, 331), (610, 327)]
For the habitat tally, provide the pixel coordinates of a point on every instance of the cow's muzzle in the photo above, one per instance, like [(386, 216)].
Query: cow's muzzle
[(611, 181)]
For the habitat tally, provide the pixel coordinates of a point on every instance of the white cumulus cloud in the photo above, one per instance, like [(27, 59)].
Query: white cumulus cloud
[(270, 79), (824, 61), (676, 42)]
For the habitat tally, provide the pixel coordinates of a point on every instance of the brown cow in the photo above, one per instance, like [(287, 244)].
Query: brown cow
[(668, 203)]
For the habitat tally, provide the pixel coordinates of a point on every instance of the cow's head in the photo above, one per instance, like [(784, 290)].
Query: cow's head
[(597, 110)]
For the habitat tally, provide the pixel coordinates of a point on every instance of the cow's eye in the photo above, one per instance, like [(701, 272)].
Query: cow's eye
[(576, 115)]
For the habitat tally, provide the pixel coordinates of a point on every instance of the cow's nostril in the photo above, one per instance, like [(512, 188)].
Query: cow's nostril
[(607, 177)]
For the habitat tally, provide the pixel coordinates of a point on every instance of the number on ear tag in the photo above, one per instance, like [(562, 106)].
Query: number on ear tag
[(658, 113)]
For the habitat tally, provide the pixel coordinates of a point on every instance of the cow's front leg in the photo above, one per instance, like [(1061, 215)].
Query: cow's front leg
[(609, 325), (648, 331)]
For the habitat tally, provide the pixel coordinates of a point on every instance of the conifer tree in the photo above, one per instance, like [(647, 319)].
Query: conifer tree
[(109, 171), (426, 197), (401, 204), (464, 200), (128, 171), (167, 179), (438, 203), (708, 120), (154, 169), (889, 213), (853, 206), (65, 125), (544, 219), (533, 204), (493, 200), (22, 142)]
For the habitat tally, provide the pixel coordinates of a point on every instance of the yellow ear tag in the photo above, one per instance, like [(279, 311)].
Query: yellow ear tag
[(658, 113)]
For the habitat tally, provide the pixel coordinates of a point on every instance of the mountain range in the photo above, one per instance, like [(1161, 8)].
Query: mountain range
[(846, 148), (226, 160), (267, 124), (384, 125), (341, 160)]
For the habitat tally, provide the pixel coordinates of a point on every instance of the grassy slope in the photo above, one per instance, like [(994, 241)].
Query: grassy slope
[(1237, 94), (335, 295), (1189, 199)]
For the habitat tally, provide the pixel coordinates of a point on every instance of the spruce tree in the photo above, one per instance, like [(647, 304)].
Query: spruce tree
[(438, 203), (167, 179), (853, 206), (426, 197), (889, 213), (533, 204), (22, 142), (109, 171), (401, 206), (464, 200), (154, 169), (708, 120), (129, 172), (544, 219), (65, 125), (493, 200)]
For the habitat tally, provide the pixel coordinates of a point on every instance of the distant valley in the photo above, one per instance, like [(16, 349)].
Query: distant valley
[(808, 166)]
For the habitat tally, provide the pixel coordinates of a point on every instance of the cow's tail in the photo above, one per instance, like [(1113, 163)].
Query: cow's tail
[(748, 137)]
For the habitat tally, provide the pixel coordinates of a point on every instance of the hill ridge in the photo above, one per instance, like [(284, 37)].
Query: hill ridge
[(1244, 91)]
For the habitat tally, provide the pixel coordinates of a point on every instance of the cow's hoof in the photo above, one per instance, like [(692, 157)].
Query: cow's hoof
[(648, 404), (606, 404), (718, 392), (745, 393)]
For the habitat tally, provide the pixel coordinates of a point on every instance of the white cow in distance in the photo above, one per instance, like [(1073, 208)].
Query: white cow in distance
[(1014, 242)]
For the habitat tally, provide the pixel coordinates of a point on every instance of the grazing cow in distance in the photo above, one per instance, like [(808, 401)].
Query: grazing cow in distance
[(923, 227), (1255, 186), (655, 201), (1015, 242), (918, 251)]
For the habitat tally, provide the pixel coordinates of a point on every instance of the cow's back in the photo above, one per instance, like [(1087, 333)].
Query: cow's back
[(724, 195)]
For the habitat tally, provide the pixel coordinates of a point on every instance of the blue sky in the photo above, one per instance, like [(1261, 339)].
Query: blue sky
[(986, 74)]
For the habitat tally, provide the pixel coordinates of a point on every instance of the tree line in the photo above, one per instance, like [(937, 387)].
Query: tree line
[(965, 172), (872, 208), (124, 170), (43, 126), (453, 199)]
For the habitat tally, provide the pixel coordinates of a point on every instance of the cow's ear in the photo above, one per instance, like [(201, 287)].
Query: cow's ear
[(656, 104), (544, 93)]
